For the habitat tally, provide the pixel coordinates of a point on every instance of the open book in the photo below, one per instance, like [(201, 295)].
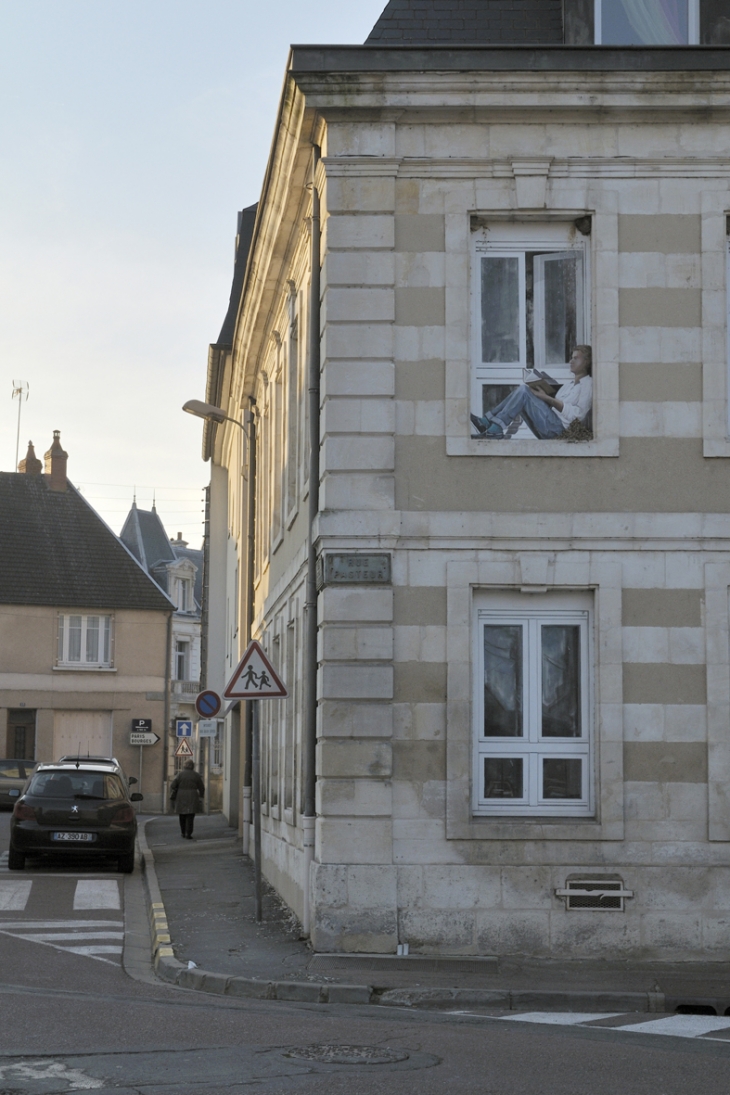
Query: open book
[(535, 378)]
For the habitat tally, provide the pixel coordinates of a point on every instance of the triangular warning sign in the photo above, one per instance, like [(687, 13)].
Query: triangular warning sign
[(183, 748), (255, 678)]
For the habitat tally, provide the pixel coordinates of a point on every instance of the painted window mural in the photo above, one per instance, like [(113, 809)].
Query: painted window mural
[(647, 22), (533, 363)]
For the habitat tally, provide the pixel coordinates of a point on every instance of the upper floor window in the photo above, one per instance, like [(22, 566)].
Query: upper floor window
[(182, 660), (184, 595), (530, 295), (648, 22), (84, 640), (533, 735)]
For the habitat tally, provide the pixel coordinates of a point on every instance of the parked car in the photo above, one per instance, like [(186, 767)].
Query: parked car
[(14, 775), (79, 808)]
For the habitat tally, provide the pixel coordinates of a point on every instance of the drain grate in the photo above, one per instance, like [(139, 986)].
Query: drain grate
[(347, 1055)]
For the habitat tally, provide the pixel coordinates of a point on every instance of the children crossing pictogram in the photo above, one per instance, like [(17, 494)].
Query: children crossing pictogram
[(255, 678)]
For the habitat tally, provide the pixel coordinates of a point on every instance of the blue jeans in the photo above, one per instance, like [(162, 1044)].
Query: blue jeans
[(542, 419)]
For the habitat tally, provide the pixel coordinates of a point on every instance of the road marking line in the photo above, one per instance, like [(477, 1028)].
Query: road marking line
[(96, 894), (561, 1019), (14, 895), (682, 1026), (92, 952), (55, 937), (22, 925)]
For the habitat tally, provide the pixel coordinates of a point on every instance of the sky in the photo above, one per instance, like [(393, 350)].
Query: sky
[(131, 133)]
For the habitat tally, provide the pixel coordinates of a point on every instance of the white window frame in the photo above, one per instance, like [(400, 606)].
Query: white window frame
[(515, 240), (106, 640), (693, 23), (510, 609), (185, 654)]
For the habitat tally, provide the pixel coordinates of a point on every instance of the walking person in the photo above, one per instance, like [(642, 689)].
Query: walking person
[(186, 793)]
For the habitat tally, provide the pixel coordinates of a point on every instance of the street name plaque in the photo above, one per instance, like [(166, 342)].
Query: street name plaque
[(354, 568)]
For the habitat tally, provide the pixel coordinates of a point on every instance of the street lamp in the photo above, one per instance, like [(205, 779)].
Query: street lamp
[(210, 412)]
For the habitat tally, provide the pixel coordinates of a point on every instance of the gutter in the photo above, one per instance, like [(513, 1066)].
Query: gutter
[(166, 714)]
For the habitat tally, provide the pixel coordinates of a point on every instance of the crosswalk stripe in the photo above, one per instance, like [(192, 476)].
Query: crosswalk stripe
[(96, 894), (683, 1026), (93, 952), (14, 895), (56, 937), (30, 925), (677, 1026)]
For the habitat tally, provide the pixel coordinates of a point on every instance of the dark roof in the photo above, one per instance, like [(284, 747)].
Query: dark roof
[(539, 22), (246, 221), (56, 550), (145, 536)]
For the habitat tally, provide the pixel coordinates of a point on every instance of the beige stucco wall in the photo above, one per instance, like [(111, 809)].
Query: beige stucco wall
[(134, 689)]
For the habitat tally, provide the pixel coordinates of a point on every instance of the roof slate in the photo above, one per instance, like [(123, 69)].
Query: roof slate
[(56, 550), (539, 22), (246, 221)]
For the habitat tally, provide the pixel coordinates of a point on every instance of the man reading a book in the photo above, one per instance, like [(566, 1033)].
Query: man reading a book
[(548, 416)]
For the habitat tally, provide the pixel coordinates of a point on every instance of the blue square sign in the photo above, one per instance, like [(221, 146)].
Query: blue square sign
[(184, 728)]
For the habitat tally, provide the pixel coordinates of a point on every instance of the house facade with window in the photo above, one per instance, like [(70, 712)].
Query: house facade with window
[(523, 676), (84, 632)]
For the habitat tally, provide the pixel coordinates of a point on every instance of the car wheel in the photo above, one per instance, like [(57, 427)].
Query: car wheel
[(125, 863), (16, 860)]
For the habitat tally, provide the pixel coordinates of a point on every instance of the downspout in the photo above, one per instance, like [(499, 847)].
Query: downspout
[(309, 744), (166, 715), (250, 559)]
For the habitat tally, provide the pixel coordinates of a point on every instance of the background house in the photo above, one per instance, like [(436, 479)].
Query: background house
[(84, 631), (522, 673), (178, 570)]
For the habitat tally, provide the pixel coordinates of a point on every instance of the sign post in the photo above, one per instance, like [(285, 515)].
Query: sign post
[(141, 735), (256, 679)]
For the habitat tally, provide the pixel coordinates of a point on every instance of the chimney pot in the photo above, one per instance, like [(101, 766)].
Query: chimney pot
[(55, 467), (31, 465)]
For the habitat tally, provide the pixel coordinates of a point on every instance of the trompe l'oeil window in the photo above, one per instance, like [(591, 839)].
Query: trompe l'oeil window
[(84, 640), (532, 739), (530, 301), (661, 22)]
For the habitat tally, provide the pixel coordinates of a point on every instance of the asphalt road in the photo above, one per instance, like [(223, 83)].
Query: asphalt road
[(78, 1015)]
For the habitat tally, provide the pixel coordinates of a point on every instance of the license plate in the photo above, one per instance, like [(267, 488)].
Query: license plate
[(76, 837)]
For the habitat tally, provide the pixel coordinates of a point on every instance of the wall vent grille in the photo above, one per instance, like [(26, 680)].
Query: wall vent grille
[(599, 894)]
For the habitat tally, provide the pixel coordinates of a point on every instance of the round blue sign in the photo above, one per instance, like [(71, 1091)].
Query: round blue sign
[(208, 704)]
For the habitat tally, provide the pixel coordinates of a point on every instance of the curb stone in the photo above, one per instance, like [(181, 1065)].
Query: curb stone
[(169, 969)]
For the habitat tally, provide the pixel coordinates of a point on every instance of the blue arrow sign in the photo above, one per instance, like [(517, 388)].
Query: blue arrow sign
[(184, 728)]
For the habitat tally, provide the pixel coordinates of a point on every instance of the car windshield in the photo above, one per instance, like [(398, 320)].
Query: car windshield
[(86, 785)]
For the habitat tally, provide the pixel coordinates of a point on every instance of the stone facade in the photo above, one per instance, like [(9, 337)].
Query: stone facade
[(636, 518)]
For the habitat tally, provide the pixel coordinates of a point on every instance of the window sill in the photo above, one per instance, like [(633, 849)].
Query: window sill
[(480, 446), (535, 828), (83, 669)]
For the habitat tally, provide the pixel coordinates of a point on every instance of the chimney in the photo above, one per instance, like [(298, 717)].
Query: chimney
[(56, 464), (31, 465), (179, 542)]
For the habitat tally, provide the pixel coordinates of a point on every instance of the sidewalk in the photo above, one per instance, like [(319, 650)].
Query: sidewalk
[(206, 888)]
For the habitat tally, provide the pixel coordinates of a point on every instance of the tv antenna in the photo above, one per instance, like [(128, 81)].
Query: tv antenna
[(20, 392)]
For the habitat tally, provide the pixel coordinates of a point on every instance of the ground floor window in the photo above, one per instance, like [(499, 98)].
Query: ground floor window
[(533, 704)]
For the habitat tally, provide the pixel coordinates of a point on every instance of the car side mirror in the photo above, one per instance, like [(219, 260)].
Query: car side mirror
[(132, 779), (136, 797)]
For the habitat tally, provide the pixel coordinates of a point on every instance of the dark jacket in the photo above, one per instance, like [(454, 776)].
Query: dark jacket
[(186, 792)]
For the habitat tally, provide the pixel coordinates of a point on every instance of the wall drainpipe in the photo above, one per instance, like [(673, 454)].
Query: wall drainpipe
[(251, 521), (309, 752)]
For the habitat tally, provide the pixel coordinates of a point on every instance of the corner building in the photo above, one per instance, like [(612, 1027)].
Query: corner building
[(523, 718)]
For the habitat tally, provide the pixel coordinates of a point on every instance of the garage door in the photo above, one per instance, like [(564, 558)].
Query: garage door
[(82, 731)]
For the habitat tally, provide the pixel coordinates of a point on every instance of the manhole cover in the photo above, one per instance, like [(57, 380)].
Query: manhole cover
[(347, 1055)]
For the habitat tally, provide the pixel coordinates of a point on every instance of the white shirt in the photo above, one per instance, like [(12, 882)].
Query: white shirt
[(577, 399)]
